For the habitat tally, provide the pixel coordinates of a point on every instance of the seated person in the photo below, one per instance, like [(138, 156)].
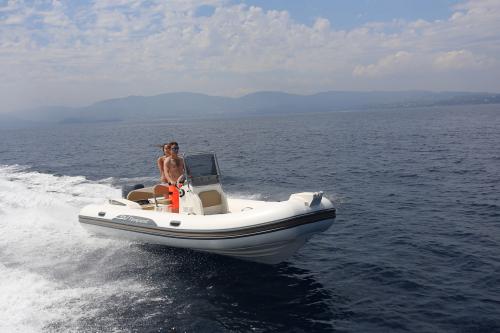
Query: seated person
[(173, 165), (161, 160)]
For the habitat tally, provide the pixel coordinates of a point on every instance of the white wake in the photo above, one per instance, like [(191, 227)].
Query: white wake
[(50, 268)]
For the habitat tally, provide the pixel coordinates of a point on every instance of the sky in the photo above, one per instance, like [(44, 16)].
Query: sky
[(77, 52)]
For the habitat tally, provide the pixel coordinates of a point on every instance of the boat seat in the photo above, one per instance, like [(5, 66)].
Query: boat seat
[(156, 193), (160, 201), (211, 201), (210, 198), (141, 194), (148, 207), (161, 189), (163, 201)]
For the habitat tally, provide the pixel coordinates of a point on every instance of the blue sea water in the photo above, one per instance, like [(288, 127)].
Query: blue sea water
[(415, 246)]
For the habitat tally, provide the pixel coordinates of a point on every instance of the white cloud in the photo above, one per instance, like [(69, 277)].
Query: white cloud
[(115, 48), (460, 60), (403, 62), (321, 24), (391, 64)]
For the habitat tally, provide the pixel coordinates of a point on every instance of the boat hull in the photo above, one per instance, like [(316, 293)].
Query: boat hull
[(269, 234), (270, 246)]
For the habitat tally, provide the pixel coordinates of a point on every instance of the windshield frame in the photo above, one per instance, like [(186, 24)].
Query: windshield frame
[(203, 179)]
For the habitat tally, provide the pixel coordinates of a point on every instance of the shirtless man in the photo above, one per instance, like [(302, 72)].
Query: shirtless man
[(161, 161), (173, 165)]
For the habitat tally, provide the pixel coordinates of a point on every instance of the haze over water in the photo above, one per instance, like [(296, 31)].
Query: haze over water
[(416, 244)]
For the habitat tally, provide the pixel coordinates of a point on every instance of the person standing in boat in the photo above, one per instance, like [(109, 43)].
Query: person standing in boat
[(173, 170), (161, 161), (173, 165)]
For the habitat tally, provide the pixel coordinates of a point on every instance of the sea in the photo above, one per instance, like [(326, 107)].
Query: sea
[(415, 246)]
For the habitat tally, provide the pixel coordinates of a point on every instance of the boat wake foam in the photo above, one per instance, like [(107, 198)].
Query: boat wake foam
[(49, 266)]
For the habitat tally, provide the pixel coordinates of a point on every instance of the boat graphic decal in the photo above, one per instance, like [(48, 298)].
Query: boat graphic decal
[(134, 220)]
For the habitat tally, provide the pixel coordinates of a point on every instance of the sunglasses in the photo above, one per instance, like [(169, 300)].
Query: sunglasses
[(175, 148)]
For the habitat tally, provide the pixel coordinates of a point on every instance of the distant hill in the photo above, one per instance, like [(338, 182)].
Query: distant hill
[(9, 121), (191, 105)]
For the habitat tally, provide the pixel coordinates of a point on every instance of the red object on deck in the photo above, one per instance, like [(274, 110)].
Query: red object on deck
[(174, 198)]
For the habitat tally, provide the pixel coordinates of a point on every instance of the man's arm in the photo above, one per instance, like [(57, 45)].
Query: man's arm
[(182, 167)]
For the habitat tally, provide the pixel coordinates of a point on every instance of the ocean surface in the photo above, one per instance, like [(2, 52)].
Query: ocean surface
[(415, 246)]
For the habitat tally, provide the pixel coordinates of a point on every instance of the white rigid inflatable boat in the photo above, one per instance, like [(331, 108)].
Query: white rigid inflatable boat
[(266, 232)]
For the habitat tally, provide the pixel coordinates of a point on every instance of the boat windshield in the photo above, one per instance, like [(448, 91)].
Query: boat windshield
[(201, 169)]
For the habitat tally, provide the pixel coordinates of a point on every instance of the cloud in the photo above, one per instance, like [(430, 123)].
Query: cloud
[(391, 64), (460, 60), (321, 24), (102, 49), (403, 62)]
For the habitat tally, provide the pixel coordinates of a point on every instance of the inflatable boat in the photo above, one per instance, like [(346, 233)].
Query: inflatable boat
[(199, 216)]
